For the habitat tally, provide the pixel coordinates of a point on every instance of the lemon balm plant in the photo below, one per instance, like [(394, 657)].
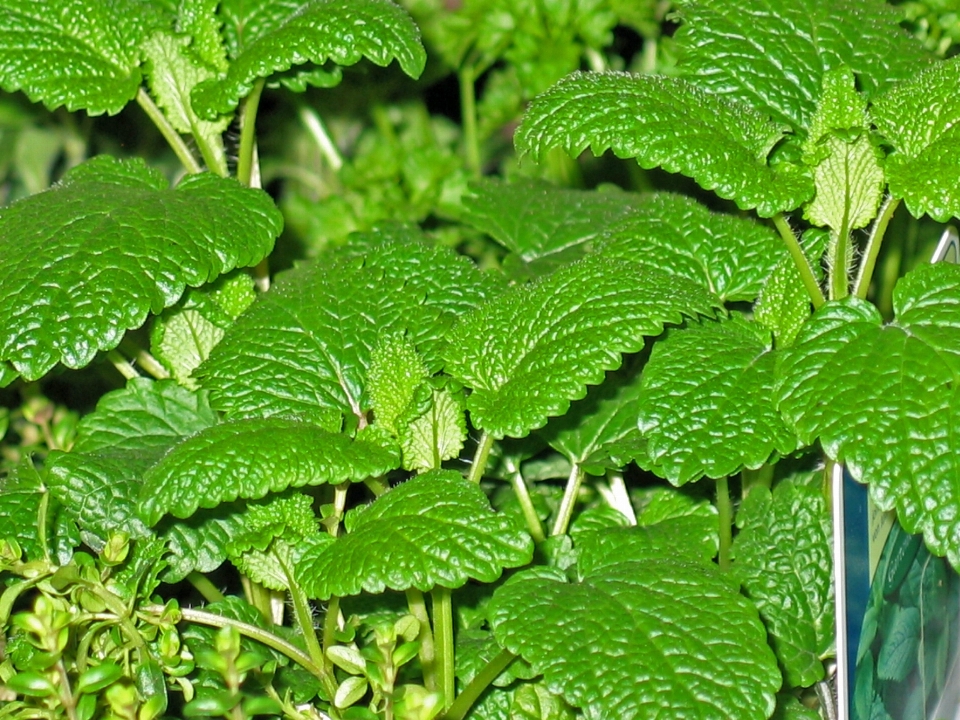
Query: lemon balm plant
[(370, 443)]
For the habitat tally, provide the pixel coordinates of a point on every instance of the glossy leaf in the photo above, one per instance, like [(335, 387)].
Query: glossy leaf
[(669, 123), (304, 348), (920, 117), (731, 255), (91, 257), (21, 493), (247, 459), (559, 335), (653, 634), (707, 405), (84, 54), (882, 398), (783, 557), (435, 529), (774, 55), (265, 38), (783, 304), (436, 435)]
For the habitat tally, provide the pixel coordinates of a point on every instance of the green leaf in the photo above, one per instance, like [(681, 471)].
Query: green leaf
[(902, 634), (542, 224), (654, 634), (731, 255), (782, 50), (707, 406), (559, 335), (396, 371), (83, 54), (436, 435), (920, 117), (304, 348), (434, 529), (248, 459), (883, 399), (265, 38), (21, 493), (668, 122), (183, 335), (784, 304), (663, 503), (198, 19), (783, 557), (88, 259)]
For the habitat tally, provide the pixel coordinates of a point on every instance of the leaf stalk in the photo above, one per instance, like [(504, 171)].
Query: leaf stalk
[(800, 259), (169, 133), (879, 229)]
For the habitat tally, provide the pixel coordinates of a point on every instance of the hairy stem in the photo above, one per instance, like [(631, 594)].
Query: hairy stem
[(169, 133), (725, 522), (443, 637), (468, 115), (569, 500), (428, 656), (331, 623), (800, 259), (301, 609), (839, 282), (480, 458), (461, 706), (879, 229)]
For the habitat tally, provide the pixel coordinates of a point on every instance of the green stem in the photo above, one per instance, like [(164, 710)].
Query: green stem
[(800, 259), (480, 458), (569, 500), (122, 365), (839, 282), (248, 133), (144, 359), (428, 656), (526, 505), (443, 637), (207, 589), (725, 522), (874, 242), (42, 524), (257, 595), (468, 116), (475, 687), (750, 479), (331, 623), (169, 133), (213, 153), (314, 124)]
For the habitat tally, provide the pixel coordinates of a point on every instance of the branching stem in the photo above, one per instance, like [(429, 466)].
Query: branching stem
[(879, 229), (800, 259)]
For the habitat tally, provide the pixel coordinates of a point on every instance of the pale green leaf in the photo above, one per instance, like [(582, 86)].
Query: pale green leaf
[(304, 348), (90, 258), (783, 557), (396, 371), (183, 335), (706, 404), (265, 37), (435, 529), (774, 55), (249, 458), (883, 398), (668, 122), (655, 634), (436, 435), (84, 54), (784, 303), (850, 184), (731, 255), (198, 19), (920, 118), (560, 335)]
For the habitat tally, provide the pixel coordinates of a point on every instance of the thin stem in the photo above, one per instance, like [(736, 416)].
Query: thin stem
[(428, 656), (725, 522), (874, 242), (144, 359), (122, 365), (169, 133), (569, 500), (800, 259), (468, 116), (750, 479), (67, 699), (443, 636), (318, 131), (331, 623), (213, 153), (480, 458), (839, 282), (248, 133), (475, 687), (42, 524), (207, 589), (615, 493), (526, 505)]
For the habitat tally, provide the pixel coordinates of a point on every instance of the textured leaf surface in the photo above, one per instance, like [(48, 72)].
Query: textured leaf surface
[(773, 55), (542, 223), (849, 184), (559, 335), (653, 635), (249, 458), (707, 404), (783, 304), (436, 435), (21, 492), (783, 557), (88, 259), (920, 118), (267, 37), (733, 256), (670, 123), (304, 348), (80, 53), (883, 399), (435, 529)]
